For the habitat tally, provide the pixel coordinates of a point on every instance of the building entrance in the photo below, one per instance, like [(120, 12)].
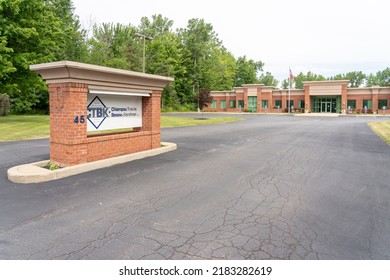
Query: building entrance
[(252, 103), (326, 104), (328, 107)]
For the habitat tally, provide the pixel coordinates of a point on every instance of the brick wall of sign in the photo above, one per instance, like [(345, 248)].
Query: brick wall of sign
[(69, 141)]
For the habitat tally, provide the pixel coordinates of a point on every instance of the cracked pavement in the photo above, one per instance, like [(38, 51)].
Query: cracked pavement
[(270, 187)]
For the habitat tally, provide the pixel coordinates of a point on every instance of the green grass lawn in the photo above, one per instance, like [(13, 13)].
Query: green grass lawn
[(382, 129), (23, 127), (167, 121), (36, 126)]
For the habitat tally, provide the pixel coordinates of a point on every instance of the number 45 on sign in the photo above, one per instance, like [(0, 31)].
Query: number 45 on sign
[(78, 119)]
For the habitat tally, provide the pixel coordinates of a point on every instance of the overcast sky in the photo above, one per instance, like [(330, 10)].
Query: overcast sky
[(326, 37)]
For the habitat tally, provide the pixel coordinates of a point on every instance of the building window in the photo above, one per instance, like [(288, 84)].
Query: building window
[(291, 104), (382, 103), (351, 104), (222, 104), (240, 103), (278, 104), (232, 103), (214, 104), (264, 104), (367, 104), (301, 104)]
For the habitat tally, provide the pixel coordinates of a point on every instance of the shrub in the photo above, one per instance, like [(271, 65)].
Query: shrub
[(4, 104), (179, 108), (51, 166)]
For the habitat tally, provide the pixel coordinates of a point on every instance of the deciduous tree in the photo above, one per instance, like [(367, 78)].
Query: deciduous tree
[(247, 71), (381, 78), (115, 45), (301, 77), (31, 32), (164, 55), (268, 80), (203, 98), (198, 42), (356, 78)]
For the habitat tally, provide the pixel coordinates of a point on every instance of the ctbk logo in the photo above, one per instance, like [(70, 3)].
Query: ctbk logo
[(97, 112)]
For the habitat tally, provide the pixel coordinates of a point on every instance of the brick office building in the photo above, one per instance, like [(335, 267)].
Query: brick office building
[(316, 97)]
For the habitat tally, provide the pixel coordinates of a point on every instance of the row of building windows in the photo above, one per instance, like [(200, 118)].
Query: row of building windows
[(252, 104), (382, 104), (232, 104)]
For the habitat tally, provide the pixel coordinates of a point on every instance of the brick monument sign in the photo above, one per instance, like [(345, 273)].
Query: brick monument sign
[(99, 112)]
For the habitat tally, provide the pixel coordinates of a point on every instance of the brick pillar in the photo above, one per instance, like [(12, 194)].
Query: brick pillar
[(227, 102), (68, 140), (284, 100), (375, 92), (151, 117), (344, 103), (259, 109), (245, 98), (307, 99), (359, 104)]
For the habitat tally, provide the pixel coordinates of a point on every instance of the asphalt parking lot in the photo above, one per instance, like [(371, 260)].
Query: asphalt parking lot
[(269, 187)]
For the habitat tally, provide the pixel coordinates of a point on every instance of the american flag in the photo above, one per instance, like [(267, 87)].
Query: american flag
[(291, 75)]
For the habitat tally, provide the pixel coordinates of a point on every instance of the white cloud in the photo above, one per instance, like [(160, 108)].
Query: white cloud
[(326, 37)]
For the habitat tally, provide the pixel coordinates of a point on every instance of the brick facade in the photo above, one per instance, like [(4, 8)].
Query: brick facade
[(344, 96), (303, 99), (307, 99), (68, 142)]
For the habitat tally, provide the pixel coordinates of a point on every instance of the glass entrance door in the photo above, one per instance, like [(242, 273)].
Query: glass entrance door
[(252, 103), (323, 107), (328, 106)]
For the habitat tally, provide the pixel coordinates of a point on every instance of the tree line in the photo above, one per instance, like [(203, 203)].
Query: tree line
[(39, 31), (356, 79)]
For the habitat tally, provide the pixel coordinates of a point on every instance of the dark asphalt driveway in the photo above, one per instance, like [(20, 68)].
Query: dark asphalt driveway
[(270, 187)]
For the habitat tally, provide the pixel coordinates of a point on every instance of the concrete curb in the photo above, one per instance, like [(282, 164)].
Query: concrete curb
[(329, 115), (35, 173), (335, 115)]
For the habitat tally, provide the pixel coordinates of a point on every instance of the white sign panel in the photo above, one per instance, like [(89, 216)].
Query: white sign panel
[(109, 111)]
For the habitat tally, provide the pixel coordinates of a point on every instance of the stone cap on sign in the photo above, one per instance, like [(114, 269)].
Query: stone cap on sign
[(99, 76)]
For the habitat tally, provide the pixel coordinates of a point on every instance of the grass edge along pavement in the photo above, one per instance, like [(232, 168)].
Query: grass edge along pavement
[(21, 127), (167, 121), (382, 129)]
